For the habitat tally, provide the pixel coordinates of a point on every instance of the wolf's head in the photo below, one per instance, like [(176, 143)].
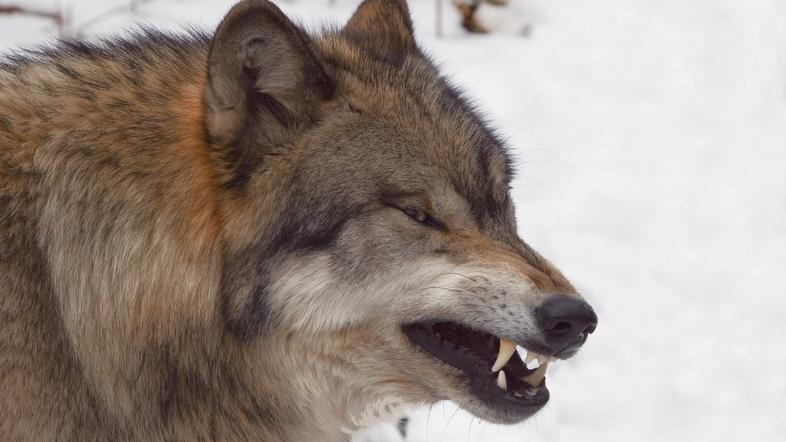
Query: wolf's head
[(366, 199)]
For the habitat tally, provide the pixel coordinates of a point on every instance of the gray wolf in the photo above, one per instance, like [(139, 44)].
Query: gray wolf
[(260, 234)]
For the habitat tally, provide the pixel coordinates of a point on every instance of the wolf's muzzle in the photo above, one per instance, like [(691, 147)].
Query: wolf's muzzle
[(566, 323)]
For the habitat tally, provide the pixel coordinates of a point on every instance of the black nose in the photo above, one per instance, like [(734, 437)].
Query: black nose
[(566, 322)]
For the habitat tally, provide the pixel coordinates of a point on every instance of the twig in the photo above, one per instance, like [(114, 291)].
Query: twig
[(57, 17), (439, 18), (132, 7)]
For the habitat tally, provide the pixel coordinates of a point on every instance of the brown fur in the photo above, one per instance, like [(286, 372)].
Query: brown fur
[(130, 229)]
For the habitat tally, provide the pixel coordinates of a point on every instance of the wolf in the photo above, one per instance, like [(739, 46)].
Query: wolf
[(262, 234)]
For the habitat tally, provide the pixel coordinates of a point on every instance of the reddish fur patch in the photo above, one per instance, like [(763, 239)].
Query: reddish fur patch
[(201, 215), (479, 248)]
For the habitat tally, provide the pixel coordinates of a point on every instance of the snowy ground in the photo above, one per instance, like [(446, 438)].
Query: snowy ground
[(651, 138)]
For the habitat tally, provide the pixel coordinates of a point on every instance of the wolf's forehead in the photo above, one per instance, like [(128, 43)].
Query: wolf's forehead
[(415, 101), (413, 117), (453, 137), (454, 150)]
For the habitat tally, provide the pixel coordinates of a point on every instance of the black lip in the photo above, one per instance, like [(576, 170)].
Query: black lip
[(473, 352)]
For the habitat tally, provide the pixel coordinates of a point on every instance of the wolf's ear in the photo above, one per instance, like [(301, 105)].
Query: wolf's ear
[(263, 80), (382, 26)]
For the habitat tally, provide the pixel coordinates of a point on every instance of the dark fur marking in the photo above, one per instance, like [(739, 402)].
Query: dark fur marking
[(317, 228), (304, 226), (249, 321), (246, 321), (308, 236), (171, 384)]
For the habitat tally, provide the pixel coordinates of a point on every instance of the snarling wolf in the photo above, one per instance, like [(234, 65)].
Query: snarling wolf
[(260, 234)]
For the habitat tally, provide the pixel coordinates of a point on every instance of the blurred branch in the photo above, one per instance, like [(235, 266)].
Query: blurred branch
[(439, 18), (132, 7), (55, 16)]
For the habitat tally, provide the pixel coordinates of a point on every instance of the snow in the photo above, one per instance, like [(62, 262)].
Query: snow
[(651, 142)]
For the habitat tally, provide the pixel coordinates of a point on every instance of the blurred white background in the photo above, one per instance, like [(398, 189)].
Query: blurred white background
[(651, 143)]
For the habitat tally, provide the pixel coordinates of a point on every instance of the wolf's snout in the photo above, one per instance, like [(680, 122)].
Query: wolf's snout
[(566, 322)]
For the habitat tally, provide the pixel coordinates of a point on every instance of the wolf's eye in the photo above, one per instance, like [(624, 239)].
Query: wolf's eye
[(423, 218)]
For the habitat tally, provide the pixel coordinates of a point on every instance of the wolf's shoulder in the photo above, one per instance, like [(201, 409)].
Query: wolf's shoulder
[(79, 85)]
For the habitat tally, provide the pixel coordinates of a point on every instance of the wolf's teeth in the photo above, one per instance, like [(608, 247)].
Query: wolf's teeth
[(536, 377), (532, 360), (502, 381), (522, 352), (506, 350)]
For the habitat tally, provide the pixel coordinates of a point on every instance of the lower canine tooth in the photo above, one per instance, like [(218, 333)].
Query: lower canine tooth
[(522, 352), (536, 377), (532, 362), (502, 381)]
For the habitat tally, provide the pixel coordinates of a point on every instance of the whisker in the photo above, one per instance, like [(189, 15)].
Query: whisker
[(428, 419), (469, 278), (459, 274), (447, 424), (482, 427), (452, 289)]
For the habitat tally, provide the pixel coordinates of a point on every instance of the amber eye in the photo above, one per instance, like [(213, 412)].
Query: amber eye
[(423, 218)]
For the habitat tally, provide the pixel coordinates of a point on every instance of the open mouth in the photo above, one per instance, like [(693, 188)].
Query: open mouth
[(502, 374)]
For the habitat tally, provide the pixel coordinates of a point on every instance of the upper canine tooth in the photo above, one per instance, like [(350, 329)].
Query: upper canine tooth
[(506, 350), (502, 380)]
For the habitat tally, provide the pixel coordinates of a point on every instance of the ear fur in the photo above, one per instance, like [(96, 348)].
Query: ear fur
[(263, 83), (384, 27)]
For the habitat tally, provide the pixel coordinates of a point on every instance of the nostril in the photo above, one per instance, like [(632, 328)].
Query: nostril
[(565, 321), (589, 329), (560, 328)]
